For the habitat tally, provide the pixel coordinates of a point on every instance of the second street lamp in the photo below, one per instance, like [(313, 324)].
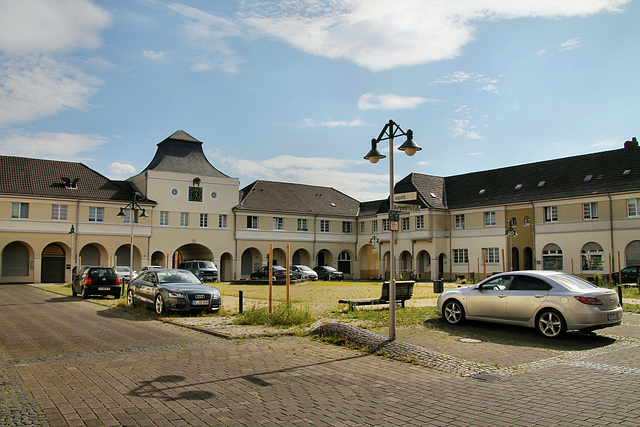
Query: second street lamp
[(389, 132), (132, 207)]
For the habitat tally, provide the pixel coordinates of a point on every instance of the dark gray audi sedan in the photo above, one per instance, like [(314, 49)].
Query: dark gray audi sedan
[(173, 290)]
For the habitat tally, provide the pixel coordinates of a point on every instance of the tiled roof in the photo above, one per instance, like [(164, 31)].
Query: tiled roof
[(269, 196), (612, 171), (374, 207), (23, 176), (182, 153), (430, 190)]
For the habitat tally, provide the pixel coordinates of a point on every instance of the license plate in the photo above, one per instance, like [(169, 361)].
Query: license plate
[(199, 302), (614, 316), (104, 289)]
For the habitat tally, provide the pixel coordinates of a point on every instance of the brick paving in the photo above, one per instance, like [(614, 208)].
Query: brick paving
[(64, 362)]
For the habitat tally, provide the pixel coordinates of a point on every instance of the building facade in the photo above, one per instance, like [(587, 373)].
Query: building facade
[(578, 214)]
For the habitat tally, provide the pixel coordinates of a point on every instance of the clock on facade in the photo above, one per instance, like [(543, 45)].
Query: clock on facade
[(195, 194)]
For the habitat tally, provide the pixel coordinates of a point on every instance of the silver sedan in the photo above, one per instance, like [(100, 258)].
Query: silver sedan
[(551, 302)]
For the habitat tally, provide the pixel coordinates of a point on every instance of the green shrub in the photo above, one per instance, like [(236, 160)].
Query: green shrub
[(283, 315)]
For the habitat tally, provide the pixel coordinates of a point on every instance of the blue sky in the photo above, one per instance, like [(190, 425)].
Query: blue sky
[(295, 90)]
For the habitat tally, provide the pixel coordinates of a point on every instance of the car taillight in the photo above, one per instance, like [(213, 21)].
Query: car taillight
[(118, 281), (589, 300), (87, 281)]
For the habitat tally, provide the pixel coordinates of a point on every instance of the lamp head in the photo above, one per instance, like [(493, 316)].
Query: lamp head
[(374, 154), (143, 214), (121, 213), (410, 147)]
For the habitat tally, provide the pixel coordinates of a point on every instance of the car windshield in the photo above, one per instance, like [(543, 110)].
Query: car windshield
[(122, 269), (206, 264), (177, 276), (304, 268), (330, 269), (573, 283)]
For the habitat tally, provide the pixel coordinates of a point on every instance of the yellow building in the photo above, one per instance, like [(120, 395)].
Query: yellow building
[(579, 214)]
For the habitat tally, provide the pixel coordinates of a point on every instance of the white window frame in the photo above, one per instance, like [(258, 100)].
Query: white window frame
[(406, 226), (96, 214), (460, 222), (550, 214), (127, 216), (461, 256), (164, 218), (252, 222), (222, 221), (362, 228), (204, 220), (19, 210), (346, 227), (58, 212), (325, 226), (590, 211), (490, 219), (385, 224), (633, 207), (374, 226), (278, 223), (420, 222), (491, 255), (302, 224), (184, 219)]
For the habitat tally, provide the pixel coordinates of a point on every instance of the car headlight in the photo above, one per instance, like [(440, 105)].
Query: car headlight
[(216, 293), (175, 295)]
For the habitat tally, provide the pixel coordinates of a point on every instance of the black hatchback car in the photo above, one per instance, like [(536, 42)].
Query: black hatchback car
[(173, 290), (280, 273), (97, 281)]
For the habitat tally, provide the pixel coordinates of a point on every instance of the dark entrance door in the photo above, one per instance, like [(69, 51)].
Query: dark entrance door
[(53, 263)]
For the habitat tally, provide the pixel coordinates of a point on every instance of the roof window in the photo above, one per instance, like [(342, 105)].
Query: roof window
[(519, 186), (481, 192), (433, 195), (588, 178), (541, 184), (626, 172)]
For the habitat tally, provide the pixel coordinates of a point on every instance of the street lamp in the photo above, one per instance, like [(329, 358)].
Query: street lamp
[(373, 241), (390, 131), (73, 258), (132, 206)]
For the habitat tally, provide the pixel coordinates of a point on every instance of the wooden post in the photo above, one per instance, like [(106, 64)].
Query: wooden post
[(503, 261), (288, 266), (619, 270)]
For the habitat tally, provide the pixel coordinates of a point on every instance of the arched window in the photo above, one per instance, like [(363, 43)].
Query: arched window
[(552, 257), (344, 262), (592, 257)]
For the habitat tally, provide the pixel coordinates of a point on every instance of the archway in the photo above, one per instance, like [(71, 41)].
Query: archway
[(123, 257), (192, 252), (632, 253), (250, 261), (591, 259), (92, 254), (158, 258), (344, 263), (369, 262), (324, 257), (301, 257), (515, 259), (279, 257), (53, 264), (528, 258), (424, 265), (225, 269), (15, 261), (406, 265)]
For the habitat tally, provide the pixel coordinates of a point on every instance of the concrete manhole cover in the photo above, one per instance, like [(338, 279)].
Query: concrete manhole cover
[(469, 340)]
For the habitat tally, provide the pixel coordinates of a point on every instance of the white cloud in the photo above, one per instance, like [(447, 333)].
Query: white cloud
[(322, 171), (154, 56), (45, 26), (464, 127), (381, 35), (571, 44), (488, 84), (121, 170), (334, 123), (370, 101), (49, 145), (34, 87), (205, 36)]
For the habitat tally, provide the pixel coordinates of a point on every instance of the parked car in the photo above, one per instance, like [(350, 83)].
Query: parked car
[(203, 270), (303, 272), (629, 275), (173, 290), (97, 281), (124, 273), (280, 273), (150, 267), (328, 273), (551, 302)]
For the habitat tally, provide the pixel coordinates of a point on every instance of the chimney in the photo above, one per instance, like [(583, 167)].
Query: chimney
[(632, 143)]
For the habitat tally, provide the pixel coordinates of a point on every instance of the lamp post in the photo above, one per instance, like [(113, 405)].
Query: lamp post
[(511, 232), (132, 206), (389, 132), (373, 241), (73, 257)]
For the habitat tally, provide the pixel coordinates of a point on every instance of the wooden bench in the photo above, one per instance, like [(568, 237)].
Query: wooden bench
[(404, 292)]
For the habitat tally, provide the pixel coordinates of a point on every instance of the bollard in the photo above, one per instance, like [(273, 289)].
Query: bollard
[(620, 293), (240, 301)]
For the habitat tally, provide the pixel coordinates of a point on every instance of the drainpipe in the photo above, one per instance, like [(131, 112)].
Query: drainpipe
[(611, 231), (533, 234), (315, 236), (235, 241)]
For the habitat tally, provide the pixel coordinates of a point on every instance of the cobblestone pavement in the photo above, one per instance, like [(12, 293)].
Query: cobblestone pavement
[(64, 361)]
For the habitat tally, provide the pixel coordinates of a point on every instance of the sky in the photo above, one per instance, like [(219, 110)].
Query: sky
[(295, 90)]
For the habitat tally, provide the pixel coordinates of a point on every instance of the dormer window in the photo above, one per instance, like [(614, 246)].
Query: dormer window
[(70, 183), (541, 184), (518, 187), (588, 178), (481, 192)]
